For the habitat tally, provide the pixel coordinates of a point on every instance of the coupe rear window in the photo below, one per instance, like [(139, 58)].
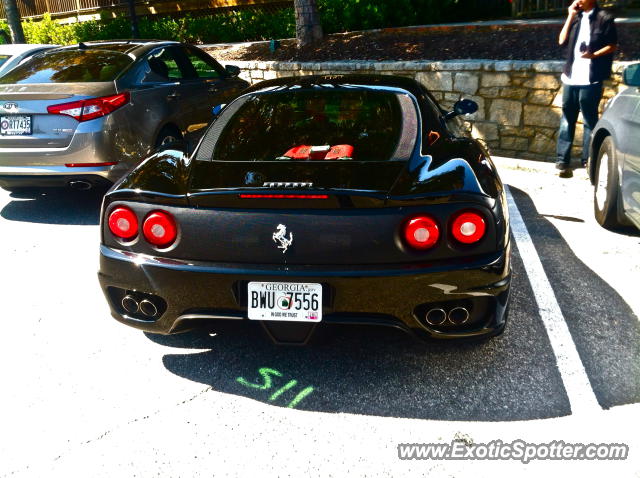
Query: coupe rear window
[(313, 124), (70, 66)]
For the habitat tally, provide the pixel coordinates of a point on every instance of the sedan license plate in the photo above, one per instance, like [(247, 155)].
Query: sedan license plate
[(285, 301), (15, 125)]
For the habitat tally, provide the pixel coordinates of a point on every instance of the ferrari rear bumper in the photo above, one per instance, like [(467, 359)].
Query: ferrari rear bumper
[(188, 293)]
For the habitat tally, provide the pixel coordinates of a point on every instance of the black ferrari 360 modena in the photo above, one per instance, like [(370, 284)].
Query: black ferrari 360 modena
[(311, 201)]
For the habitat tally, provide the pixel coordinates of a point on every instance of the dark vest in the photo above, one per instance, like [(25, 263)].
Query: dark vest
[(603, 33)]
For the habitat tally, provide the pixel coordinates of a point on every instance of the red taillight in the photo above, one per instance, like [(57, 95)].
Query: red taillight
[(85, 110), (159, 229), (468, 227), (421, 232), (123, 223)]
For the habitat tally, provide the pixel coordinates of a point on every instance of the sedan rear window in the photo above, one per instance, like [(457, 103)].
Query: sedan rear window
[(324, 123), (70, 66)]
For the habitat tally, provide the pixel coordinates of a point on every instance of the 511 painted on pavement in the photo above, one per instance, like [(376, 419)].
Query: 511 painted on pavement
[(267, 374)]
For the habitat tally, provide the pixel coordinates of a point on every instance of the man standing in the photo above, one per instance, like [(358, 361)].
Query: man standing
[(591, 37)]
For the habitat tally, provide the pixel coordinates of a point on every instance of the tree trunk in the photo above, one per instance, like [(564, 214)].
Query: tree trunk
[(308, 28), (13, 19)]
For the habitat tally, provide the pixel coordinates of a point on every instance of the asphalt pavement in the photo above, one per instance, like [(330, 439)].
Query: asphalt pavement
[(83, 395)]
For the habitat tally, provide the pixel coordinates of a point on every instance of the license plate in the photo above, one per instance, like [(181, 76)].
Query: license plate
[(285, 301), (15, 125)]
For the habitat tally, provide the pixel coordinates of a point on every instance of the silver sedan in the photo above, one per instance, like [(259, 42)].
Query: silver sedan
[(614, 164), (87, 114)]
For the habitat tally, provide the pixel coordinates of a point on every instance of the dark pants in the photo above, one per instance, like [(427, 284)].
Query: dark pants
[(574, 100)]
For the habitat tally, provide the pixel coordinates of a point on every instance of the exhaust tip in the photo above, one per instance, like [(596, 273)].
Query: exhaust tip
[(458, 315), (80, 185), (148, 308), (130, 304), (436, 317)]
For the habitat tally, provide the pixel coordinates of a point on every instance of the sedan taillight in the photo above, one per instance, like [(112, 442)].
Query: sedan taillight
[(421, 232), (123, 223), (468, 227), (85, 110), (160, 229)]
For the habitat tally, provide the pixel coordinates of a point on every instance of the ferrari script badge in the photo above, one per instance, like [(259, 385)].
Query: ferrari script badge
[(280, 237)]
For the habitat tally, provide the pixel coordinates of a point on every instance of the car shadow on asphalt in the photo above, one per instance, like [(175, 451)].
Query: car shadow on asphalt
[(604, 328), (382, 372), (55, 206)]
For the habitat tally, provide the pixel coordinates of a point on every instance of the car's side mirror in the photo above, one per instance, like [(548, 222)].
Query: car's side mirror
[(217, 109), (631, 75), (462, 107), (232, 70)]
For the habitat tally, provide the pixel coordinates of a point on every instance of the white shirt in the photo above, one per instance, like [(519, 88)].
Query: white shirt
[(581, 66)]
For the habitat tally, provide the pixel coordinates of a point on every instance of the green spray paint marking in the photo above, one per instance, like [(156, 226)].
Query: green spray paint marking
[(266, 375), (289, 385), (267, 382), (300, 397)]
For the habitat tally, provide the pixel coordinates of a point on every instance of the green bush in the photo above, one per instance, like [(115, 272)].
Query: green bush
[(248, 25), (468, 10), (4, 27), (48, 31), (245, 25), (103, 29), (350, 15)]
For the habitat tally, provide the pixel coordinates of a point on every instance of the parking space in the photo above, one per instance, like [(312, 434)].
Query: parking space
[(80, 389), (604, 328)]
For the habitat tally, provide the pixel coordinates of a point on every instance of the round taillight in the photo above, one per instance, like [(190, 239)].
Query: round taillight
[(468, 227), (123, 223), (421, 232), (159, 229)]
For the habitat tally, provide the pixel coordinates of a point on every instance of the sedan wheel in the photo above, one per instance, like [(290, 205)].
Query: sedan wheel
[(605, 194)]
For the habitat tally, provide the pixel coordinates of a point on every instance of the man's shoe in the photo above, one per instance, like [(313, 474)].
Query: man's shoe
[(566, 173), (565, 169)]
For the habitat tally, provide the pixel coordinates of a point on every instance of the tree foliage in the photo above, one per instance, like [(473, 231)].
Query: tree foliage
[(248, 25)]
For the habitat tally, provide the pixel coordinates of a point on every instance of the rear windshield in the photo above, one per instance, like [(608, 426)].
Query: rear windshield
[(313, 124), (69, 66)]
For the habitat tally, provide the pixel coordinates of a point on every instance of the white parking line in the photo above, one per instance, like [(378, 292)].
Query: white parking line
[(575, 379)]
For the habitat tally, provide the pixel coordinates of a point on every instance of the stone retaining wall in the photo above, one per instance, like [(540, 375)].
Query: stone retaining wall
[(520, 101)]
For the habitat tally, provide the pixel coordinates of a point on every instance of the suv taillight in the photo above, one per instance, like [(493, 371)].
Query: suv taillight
[(85, 110)]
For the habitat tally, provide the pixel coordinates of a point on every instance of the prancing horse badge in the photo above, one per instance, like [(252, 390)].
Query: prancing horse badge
[(280, 237)]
